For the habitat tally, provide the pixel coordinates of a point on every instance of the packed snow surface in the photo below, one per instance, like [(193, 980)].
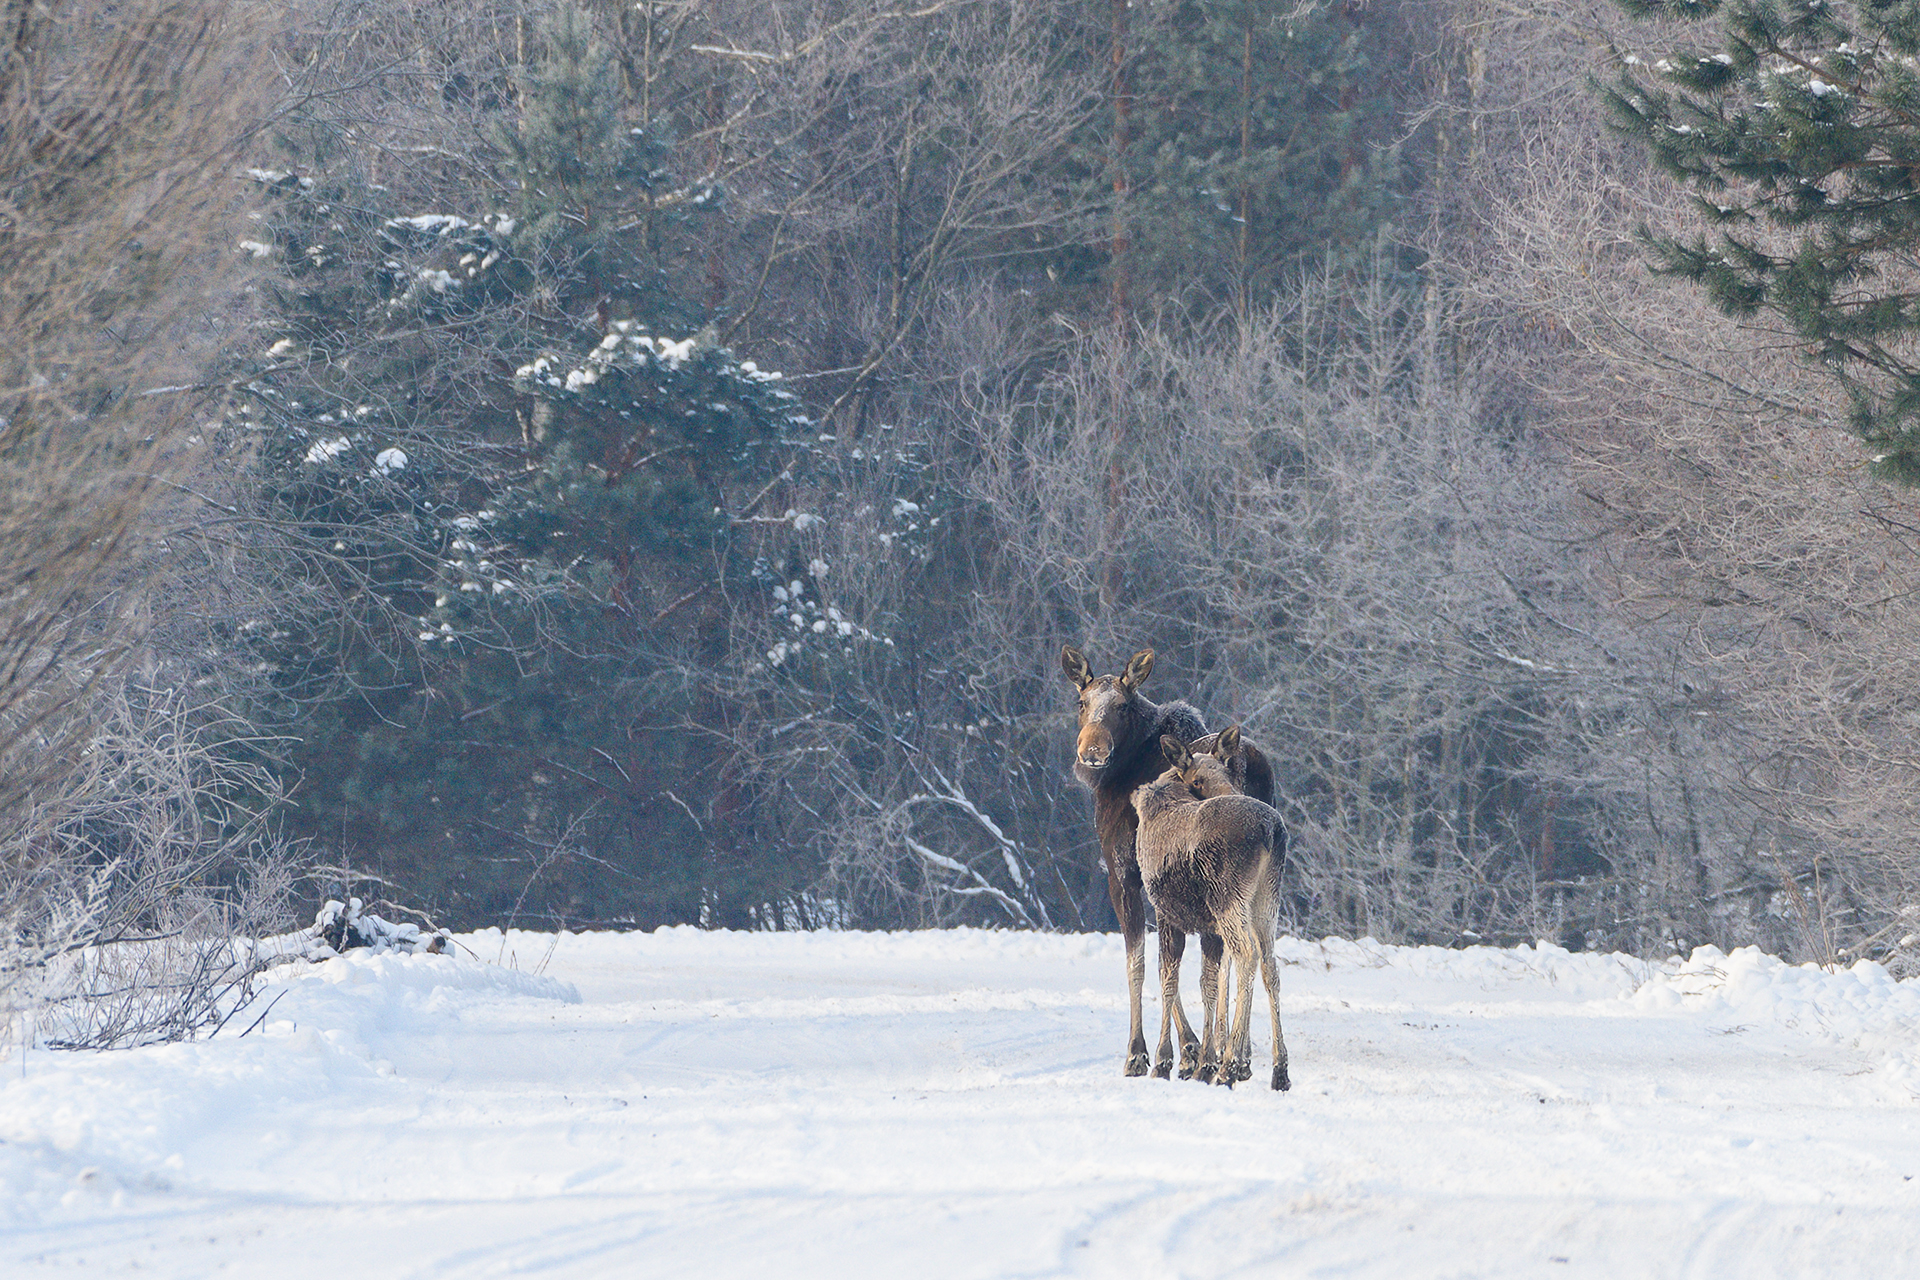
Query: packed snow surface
[(941, 1104)]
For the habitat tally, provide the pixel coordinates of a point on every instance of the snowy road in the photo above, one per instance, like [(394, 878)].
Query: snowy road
[(950, 1104)]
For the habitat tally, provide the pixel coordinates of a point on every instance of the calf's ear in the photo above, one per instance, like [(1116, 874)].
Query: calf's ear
[(1228, 742), (1139, 667), (1176, 752), (1074, 663)]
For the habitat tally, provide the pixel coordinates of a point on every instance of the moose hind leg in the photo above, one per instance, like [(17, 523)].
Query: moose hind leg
[(1173, 1016), (1223, 1008), (1238, 1061), (1208, 1067), (1270, 975), (1189, 1046)]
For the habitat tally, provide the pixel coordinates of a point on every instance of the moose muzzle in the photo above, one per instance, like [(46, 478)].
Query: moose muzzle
[(1095, 747)]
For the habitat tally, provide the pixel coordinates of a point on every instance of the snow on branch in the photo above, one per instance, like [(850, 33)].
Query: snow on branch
[(953, 795), (981, 884)]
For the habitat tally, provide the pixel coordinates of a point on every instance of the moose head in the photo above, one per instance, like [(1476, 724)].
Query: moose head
[(1111, 717), (1207, 774)]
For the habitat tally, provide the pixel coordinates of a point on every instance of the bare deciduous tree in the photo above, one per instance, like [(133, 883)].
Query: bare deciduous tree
[(1323, 529), (1768, 580), (117, 129), (125, 816)]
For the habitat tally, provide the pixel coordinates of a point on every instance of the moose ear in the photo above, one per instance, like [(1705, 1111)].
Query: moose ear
[(1176, 752), (1138, 669), (1074, 663), (1228, 742)]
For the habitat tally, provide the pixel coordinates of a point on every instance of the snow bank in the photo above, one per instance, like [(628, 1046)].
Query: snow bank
[(1613, 974), (83, 1130), (1862, 1006), (1566, 975), (418, 980), (686, 942), (1554, 972)]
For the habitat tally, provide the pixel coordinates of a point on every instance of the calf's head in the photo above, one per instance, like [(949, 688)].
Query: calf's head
[(1206, 774), (1111, 717)]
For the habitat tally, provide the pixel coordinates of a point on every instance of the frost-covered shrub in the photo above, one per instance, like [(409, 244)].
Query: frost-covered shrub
[(121, 896)]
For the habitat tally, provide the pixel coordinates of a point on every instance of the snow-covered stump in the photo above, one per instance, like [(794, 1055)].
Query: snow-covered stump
[(340, 927)]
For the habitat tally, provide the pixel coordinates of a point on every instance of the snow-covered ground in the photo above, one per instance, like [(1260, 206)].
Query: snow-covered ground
[(950, 1104)]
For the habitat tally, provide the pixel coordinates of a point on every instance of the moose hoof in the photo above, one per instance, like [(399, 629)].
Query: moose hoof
[(1138, 1064), (1205, 1072), (1187, 1070), (1242, 1070), (1280, 1082), (1163, 1069)]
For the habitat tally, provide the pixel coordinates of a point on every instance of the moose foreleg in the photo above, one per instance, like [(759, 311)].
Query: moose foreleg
[(1129, 904), (1138, 1063)]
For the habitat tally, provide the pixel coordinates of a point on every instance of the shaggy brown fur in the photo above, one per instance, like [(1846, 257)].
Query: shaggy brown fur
[(1207, 867), (1116, 749), (1245, 772)]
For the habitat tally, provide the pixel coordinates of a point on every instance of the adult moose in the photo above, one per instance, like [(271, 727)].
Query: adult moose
[(1117, 750)]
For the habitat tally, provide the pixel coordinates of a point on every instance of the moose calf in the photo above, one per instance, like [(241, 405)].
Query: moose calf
[(1207, 867), (1247, 772)]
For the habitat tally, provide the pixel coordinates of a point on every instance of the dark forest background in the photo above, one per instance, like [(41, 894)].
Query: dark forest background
[(612, 465)]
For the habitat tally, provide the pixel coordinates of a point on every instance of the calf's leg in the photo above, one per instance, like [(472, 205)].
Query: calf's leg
[(1238, 1060), (1210, 1022), (1173, 1017), (1270, 975)]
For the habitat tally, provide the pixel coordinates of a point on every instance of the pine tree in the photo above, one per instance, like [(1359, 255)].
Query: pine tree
[(520, 477), (639, 445), (1255, 135), (594, 189), (1798, 127), (1256, 145), (568, 146)]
